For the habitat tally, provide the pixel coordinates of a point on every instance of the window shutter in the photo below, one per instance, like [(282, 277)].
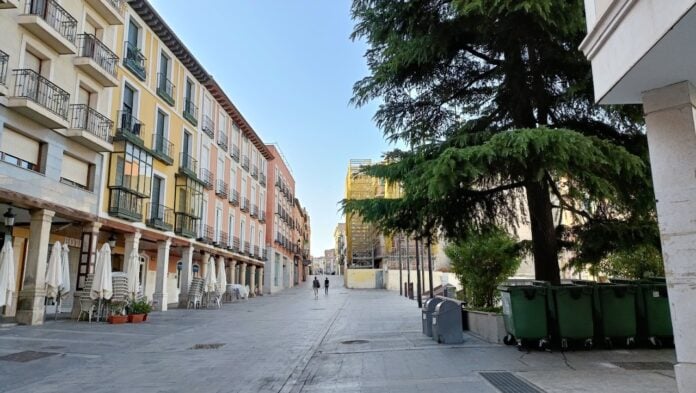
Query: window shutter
[(75, 170), (20, 146)]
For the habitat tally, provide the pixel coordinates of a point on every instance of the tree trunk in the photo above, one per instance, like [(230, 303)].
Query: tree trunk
[(544, 242)]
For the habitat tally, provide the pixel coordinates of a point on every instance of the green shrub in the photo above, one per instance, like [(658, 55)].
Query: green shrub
[(483, 261), (642, 261), (139, 307)]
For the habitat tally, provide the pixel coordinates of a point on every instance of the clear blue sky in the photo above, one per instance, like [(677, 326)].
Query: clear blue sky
[(289, 66)]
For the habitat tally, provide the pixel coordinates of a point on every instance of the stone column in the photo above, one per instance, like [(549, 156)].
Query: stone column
[(90, 231), (242, 274), (186, 274), (233, 272), (220, 259), (30, 302), (204, 264), (669, 113), (160, 295), (259, 277), (252, 281), (132, 246)]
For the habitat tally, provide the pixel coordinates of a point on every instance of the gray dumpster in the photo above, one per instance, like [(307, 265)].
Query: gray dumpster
[(428, 310), (447, 322)]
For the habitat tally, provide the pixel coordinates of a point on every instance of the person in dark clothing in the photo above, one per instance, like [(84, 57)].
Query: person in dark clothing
[(316, 285), (326, 286)]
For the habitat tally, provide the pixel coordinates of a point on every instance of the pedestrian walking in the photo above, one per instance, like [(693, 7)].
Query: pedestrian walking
[(316, 285), (326, 286)]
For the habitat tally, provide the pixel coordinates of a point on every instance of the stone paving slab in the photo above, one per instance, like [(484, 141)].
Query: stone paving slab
[(348, 341)]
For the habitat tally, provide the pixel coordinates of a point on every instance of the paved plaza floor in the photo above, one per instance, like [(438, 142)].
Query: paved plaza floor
[(349, 341)]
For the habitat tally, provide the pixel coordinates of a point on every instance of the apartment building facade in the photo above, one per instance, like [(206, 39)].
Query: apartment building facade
[(112, 132)]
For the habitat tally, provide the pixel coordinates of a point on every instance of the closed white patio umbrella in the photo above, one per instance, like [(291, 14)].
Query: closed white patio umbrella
[(101, 285), (210, 281), (65, 265), (133, 274), (221, 278), (54, 271), (7, 275)]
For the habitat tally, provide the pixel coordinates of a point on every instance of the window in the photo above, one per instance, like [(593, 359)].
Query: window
[(157, 195), (189, 91), (230, 227), (233, 178), (133, 34), (129, 99), (132, 170), (241, 233), (162, 125), (164, 66), (218, 223), (74, 172), (252, 232), (19, 150)]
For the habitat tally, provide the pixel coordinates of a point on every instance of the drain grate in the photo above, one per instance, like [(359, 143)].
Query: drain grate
[(645, 365), (354, 342), (207, 346), (26, 356), (509, 383)]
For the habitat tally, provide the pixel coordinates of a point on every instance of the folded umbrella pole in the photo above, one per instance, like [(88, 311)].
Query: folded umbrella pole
[(54, 275), (7, 275), (101, 286)]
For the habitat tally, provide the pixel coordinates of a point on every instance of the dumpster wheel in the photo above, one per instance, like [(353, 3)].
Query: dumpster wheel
[(631, 342), (588, 344), (655, 342), (564, 344), (544, 345), (509, 340), (608, 344)]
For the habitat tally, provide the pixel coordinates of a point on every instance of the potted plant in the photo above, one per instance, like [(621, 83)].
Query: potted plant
[(117, 316), (137, 311)]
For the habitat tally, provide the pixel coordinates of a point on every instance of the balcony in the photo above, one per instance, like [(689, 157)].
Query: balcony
[(90, 128), (245, 163), (247, 248), (222, 240), (110, 10), (234, 152), (51, 23), (262, 179), (162, 149), (40, 100), (235, 244), (262, 216), (255, 172), (207, 178), (222, 140), (160, 217), (165, 89), (207, 234), (185, 225), (256, 251), (7, 4), (245, 205), (125, 204), (254, 211), (234, 198), (221, 189), (134, 61), (95, 59), (129, 128), (188, 165), (208, 126), (191, 112), (4, 59)]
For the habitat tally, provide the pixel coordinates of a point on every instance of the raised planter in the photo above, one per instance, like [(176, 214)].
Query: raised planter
[(487, 325), (136, 318), (117, 319)]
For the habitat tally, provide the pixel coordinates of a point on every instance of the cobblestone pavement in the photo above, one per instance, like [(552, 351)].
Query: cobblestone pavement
[(349, 341)]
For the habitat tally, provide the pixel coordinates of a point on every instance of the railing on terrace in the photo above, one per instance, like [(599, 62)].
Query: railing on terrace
[(222, 188), (247, 248), (160, 216), (262, 216), (165, 88), (129, 125), (262, 179), (91, 47), (245, 205), (191, 112), (4, 59), (235, 244), (207, 234), (119, 5), (125, 204), (163, 147), (234, 197), (254, 211), (234, 152), (256, 251), (83, 117), (207, 178), (30, 85), (245, 163), (188, 164), (208, 126), (134, 60), (255, 172), (223, 239), (222, 140), (55, 16)]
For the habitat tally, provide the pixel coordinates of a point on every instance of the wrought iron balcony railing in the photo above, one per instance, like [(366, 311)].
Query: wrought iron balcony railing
[(185, 225), (255, 172), (262, 216), (235, 244), (222, 140), (160, 217), (129, 127), (234, 198), (57, 17), (256, 251), (245, 205), (222, 188), (264, 255), (247, 248), (254, 211), (223, 239), (188, 165), (207, 178), (134, 61), (207, 234), (191, 112), (245, 163), (208, 126), (125, 204), (32, 86), (165, 88), (4, 59), (234, 152), (91, 47), (262, 179), (163, 148), (83, 117)]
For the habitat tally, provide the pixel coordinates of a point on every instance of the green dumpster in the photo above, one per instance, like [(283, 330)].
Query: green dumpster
[(571, 310), (524, 313), (652, 309)]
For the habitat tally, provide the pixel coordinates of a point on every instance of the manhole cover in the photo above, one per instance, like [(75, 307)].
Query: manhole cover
[(509, 383), (355, 342), (207, 346), (645, 365), (26, 356)]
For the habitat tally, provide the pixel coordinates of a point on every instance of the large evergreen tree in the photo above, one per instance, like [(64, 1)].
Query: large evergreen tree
[(495, 102)]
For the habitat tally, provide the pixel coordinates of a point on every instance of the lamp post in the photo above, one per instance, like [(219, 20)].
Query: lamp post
[(9, 218), (112, 241)]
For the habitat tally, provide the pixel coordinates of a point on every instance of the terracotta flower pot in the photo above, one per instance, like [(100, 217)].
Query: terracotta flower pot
[(145, 318), (118, 319), (136, 318)]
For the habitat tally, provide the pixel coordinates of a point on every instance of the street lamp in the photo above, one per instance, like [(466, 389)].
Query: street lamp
[(112, 240), (9, 217)]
